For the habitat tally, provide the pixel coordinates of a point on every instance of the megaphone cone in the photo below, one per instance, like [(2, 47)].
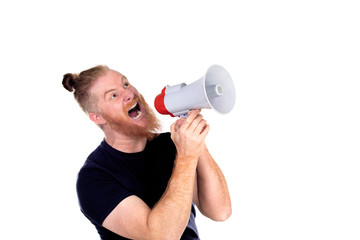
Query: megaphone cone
[(215, 90)]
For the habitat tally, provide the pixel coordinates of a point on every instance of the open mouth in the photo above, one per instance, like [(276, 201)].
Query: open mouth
[(134, 111)]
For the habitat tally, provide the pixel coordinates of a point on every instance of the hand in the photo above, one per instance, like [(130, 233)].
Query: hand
[(189, 135)]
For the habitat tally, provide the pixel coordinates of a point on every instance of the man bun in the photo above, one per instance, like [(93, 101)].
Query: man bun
[(81, 83), (69, 81)]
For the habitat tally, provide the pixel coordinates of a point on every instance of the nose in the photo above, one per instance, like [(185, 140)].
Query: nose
[(128, 96)]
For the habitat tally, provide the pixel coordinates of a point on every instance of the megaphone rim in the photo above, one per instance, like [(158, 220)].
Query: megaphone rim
[(204, 86)]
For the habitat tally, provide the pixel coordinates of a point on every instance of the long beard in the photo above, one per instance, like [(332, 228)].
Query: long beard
[(124, 125)]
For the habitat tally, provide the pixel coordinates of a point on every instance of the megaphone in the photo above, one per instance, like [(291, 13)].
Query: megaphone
[(215, 90)]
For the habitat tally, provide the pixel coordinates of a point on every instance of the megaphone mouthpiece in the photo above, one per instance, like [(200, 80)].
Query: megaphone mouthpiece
[(160, 103)]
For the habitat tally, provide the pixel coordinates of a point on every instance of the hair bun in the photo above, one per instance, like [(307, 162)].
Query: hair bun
[(69, 81)]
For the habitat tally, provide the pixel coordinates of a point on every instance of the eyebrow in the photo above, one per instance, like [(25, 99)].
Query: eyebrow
[(109, 91), (123, 78)]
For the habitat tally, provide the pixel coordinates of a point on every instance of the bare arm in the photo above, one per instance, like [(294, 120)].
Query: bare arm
[(132, 218), (211, 193)]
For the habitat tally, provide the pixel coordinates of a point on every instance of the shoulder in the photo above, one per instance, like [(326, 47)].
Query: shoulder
[(94, 157), (98, 160), (97, 185), (92, 170)]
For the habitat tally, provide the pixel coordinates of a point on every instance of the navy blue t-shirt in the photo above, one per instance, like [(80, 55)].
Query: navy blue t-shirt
[(109, 176)]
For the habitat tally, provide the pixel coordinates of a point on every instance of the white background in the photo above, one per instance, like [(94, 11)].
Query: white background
[(290, 149)]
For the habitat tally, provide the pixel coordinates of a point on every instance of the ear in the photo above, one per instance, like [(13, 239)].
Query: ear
[(97, 118)]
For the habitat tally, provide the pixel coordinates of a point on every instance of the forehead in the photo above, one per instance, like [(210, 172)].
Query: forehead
[(111, 79)]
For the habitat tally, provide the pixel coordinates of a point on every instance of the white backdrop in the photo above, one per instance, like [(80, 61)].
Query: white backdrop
[(289, 149)]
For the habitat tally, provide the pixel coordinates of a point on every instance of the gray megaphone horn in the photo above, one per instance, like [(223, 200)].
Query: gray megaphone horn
[(215, 90)]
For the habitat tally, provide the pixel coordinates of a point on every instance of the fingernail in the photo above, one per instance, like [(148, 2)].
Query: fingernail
[(195, 111)]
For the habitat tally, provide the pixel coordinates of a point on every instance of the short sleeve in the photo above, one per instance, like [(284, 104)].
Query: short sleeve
[(98, 194)]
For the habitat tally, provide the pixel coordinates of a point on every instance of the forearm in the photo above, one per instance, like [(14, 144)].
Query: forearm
[(169, 217), (213, 194)]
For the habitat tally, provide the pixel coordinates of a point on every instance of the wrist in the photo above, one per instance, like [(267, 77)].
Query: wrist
[(186, 161)]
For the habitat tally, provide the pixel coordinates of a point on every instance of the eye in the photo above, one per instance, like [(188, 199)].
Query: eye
[(126, 85), (113, 96)]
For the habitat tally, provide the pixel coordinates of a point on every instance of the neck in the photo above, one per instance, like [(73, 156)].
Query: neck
[(124, 143)]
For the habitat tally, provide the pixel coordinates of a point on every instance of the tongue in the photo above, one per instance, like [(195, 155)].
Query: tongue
[(133, 113)]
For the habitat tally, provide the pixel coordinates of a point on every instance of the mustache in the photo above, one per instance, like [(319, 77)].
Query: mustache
[(135, 100)]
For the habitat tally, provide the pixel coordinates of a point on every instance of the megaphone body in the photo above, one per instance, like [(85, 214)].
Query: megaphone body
[(215, 90)]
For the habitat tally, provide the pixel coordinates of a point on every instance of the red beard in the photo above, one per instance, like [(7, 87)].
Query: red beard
[(122, 124)]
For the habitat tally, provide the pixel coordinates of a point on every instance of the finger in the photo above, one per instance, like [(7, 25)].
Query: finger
[(196, 109), (193, 126), (205, 131), (192, 115), (173, 127), (179, 122), (200, 127)]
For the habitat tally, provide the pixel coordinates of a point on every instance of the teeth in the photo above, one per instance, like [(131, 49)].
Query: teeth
[(133, 106), (139, 114)]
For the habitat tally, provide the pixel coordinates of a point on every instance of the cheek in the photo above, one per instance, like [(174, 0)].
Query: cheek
[(115, 111)]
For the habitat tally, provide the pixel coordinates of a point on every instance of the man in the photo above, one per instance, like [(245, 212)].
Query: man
[(139, 184)]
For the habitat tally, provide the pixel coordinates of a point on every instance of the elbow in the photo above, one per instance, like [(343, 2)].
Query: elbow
[(166, 236), (227, 214), (220, 216), (170, 237), (224, 215)]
